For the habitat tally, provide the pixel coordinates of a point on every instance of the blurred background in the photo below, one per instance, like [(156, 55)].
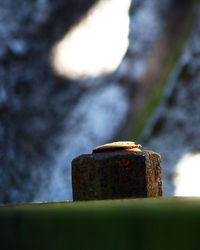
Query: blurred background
[(77, 74)]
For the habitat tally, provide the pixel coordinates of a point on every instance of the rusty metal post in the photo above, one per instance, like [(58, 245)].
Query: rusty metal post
[(116, 174)]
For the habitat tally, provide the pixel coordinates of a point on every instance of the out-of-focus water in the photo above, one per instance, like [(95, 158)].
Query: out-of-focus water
[(101, 112), (46, 123)]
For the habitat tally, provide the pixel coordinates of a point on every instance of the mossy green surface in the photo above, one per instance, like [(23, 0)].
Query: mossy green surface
[(156, 94), (153, 223)]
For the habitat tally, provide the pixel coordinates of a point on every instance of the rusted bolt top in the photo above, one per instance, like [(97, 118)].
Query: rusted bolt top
[(116, 170), (118, 146)]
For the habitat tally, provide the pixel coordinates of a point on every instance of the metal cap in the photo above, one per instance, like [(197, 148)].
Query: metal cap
[(118, 146)]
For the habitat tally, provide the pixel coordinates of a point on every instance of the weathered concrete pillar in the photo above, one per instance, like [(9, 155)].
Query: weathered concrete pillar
[(113, 174)]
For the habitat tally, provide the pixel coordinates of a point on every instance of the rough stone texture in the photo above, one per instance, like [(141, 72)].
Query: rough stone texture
[(102, 176)]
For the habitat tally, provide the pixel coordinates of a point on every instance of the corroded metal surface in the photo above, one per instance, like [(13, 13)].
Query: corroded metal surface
[(118, 146), (116, 175)]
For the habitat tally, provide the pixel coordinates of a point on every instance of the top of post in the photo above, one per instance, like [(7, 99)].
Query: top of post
[(118, 146)]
